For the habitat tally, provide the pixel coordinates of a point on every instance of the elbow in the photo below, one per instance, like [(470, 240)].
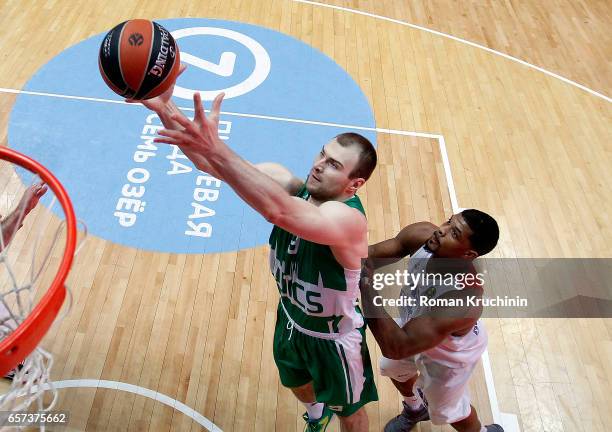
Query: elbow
[(392, 351), (401, 348), (401, 352), (394, 354), (279, 213), (391, 354)]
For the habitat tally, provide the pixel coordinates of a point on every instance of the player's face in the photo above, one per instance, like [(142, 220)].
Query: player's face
[(451, 240), (329, 175)]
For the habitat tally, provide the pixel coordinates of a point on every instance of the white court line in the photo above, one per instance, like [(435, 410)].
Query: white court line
[(507, 420), (449, 176), (130, 388), (473, 44), (231, 113), (510, 419), (34, 93)]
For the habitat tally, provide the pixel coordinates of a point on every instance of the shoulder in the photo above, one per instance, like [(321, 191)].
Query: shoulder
[(344, 213), (342, 218), (282, 176), (355, 202)]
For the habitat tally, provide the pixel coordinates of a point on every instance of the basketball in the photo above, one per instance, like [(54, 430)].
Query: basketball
[(139, 59)]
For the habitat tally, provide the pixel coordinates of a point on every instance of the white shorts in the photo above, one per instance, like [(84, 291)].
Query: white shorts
[(444, 385)]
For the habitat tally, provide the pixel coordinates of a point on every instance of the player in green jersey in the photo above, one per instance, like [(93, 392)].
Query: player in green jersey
[(318, 241)]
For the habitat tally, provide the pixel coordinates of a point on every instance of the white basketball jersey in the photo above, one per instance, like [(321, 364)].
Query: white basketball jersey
[(454, 351)]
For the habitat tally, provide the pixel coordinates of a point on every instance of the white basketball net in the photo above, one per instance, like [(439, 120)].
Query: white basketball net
[(31, 246)]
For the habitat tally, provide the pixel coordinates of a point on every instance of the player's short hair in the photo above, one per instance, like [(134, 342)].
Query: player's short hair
[(485, 230), (367, 156)]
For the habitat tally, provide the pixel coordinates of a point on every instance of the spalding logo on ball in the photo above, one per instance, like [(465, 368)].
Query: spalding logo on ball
[(139, 59)]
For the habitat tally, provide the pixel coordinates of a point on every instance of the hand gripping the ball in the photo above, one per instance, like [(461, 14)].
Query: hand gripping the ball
[(159, 103)]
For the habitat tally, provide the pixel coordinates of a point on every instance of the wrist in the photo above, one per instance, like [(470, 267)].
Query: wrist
[(221, 156), (168, 109)]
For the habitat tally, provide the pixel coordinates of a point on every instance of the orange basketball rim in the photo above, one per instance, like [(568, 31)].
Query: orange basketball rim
[(25, 338)]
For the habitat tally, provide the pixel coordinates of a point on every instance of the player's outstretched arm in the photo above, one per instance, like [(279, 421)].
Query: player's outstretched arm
[(282, 176), (11, 224), (331, 223), (418, 335), (166, 109)]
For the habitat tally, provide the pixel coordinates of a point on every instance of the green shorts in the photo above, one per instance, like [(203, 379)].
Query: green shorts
[(340, 370)]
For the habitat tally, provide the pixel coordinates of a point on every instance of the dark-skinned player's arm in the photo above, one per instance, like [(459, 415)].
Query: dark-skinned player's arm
[(420, 333), (331, 223), (405, 243), (166, 109)]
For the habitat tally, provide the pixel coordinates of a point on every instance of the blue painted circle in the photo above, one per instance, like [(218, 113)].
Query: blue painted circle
[(95, 148)]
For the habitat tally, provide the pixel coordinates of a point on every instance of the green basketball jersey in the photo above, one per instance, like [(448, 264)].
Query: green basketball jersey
[(316, 292)]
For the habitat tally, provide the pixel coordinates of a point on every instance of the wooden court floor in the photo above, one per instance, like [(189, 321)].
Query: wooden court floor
[(527, 147)]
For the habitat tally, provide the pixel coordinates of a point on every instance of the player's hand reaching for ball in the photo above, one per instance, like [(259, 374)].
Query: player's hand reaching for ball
[(199, 137), (159, 104)]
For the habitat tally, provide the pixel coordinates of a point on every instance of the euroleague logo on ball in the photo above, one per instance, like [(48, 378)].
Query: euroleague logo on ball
[(136, 39)]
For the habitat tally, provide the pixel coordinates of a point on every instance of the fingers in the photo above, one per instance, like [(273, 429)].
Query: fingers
[(34, 192), (145, 102), (171, 133), (41, 190), (216, 108), (184, 122), (166, 140), (199, 108), (35, 188), (137, 101), (184, 145), (174, 137)]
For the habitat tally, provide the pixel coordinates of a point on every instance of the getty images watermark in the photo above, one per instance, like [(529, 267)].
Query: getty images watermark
[(491, 287), (422, 297)]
